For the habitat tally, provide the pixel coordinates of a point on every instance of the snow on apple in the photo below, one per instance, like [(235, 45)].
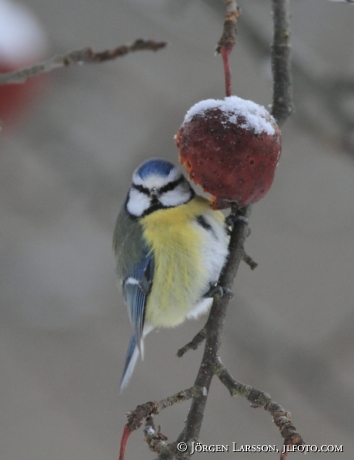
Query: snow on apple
[(231, 148)]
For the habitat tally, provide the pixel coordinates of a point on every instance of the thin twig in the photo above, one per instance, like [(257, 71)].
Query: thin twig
[(249, 261), (83, 56), (136, 417), (194, 343), (153, 437), (227, 40), (155, 440), (281, 56), (257, 398), (228, 37)]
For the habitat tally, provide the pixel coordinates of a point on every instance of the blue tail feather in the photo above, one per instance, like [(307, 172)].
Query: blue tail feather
[(130, 361)]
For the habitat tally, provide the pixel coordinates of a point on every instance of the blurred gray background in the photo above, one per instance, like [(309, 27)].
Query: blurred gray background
[(65, 170)]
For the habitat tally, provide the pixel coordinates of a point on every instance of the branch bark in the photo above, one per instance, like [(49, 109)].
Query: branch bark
[(228, 40), (83, 56), (258, 398), (281, 67), (194, 343)]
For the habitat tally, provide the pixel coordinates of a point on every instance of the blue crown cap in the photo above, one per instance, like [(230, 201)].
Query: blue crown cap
[(156, 166)]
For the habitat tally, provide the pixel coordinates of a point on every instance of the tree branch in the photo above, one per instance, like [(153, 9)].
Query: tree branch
[(214, 328), (249, 261), (228, 40), (194, 343), (83, 56), (136, 417), (154, 439), (281, 53), (257, 398)]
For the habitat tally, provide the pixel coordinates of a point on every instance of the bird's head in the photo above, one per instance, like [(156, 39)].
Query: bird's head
[(157, 184)]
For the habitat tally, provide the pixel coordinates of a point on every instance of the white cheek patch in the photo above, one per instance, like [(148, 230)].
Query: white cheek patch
[(181, 194), (137, 203)]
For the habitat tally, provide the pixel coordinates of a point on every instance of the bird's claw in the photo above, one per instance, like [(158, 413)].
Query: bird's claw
[(232, 219), (215, 288)]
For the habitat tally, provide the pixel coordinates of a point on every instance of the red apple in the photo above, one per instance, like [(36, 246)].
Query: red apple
[(231, 148)]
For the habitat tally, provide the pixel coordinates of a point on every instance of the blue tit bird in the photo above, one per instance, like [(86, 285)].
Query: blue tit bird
[(170, 246)]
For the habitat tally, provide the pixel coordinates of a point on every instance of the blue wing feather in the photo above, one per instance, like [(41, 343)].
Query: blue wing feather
[(136, 287), (135, 270)]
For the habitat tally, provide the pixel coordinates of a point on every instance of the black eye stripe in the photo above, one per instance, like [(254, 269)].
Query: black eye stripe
[(172, 185), (166, 188), (154, 204), (141, 189)]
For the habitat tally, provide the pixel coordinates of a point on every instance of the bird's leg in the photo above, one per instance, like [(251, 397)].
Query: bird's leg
[(215, 288), (231, 220)]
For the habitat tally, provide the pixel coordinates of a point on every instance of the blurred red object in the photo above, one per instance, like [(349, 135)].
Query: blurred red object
[(22, 42)]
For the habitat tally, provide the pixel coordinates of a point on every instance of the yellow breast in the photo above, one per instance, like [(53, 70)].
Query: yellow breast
[(180, 278)]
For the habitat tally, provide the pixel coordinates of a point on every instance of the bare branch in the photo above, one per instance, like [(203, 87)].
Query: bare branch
[(83, 56), (136, 417), (153, 437), (228, 37), (194, 343), (227, 40), (257, 398), (249, 261), (281, 54)]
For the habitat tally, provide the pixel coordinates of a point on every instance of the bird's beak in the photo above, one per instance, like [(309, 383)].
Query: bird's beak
[(154, 192)]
